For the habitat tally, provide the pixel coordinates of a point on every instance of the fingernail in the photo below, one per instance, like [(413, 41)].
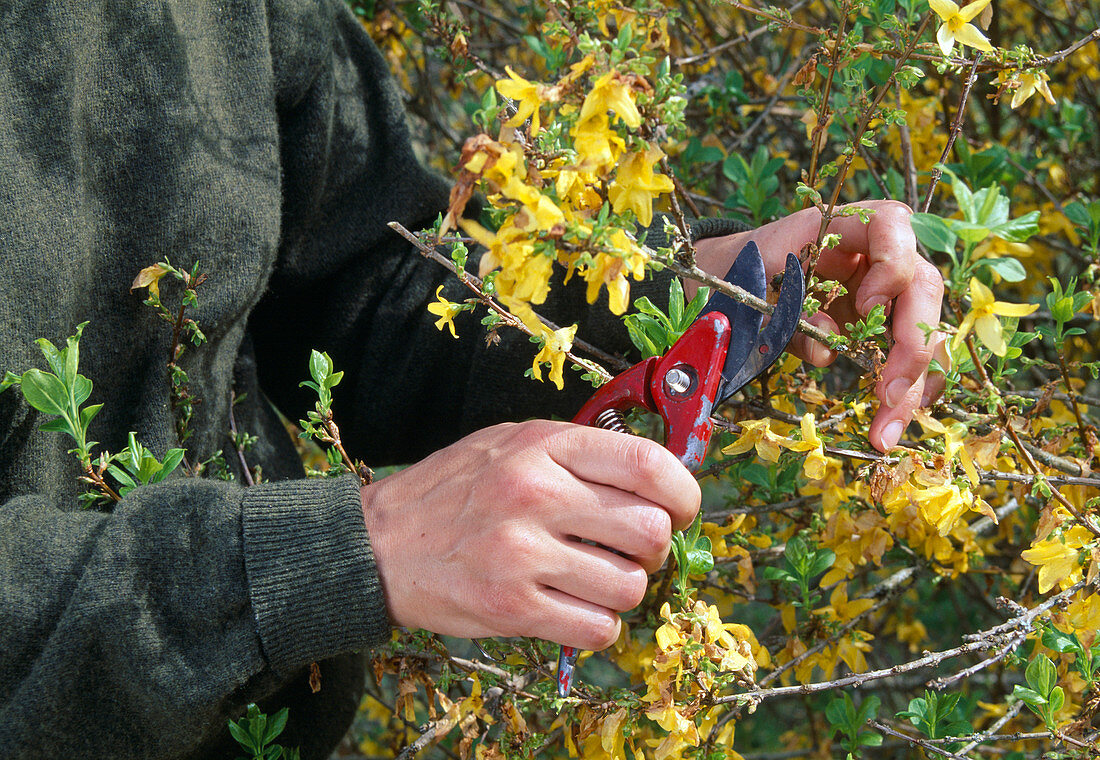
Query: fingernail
[(896, 391), (891, 434)]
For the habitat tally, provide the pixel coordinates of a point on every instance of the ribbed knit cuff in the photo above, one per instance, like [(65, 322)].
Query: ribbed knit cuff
[(716, 227), (314, 587), (699, 228)]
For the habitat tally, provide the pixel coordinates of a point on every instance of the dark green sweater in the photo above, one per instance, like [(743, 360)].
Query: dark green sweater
[(265, 141)]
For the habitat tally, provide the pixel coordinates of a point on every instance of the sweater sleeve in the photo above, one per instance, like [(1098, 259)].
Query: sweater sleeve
[(142, 630)]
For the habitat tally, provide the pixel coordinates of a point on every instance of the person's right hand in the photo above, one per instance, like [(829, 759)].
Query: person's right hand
[(486, 537)]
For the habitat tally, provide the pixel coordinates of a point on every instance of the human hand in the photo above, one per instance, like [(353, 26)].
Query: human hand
[(484, 537), (878, 263)]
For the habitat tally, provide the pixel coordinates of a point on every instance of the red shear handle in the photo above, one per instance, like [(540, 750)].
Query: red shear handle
[(680, 386)]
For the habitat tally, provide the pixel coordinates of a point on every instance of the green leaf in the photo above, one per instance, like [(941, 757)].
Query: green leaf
[(699, 558), (1028, 696), (968, 232), (1041, 675), (1077, 213), (121, 476), (278, 723), (45, 392), (837, 711), (334, 379), (963, 196), (82, 389), (1019, 229), (933, 232), (241, 736), (72, 354), (822, 561), (171, 461), (640, 339), (87, 413), (320, 365), (9, 379), (676, 303), (1008, 268), (57, 425), (1057, 699), (990, 207), (1060, 642), (53, 356)]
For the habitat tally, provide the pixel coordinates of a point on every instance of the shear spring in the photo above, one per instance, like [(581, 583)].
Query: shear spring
[(613, 419)]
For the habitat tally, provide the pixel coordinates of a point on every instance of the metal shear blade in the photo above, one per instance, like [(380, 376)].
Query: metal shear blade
[(755, 350)]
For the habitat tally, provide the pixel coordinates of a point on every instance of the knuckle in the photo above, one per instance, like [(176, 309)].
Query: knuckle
[(929, 279), (654, 533), (645, 459), (527, 487)]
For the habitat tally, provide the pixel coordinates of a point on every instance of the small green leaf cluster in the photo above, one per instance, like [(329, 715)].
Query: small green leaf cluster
[(771, 482), (62, 394), (1086, 215), (141, 467), (757, 185), (256, 733), (1086, 660), (937, 716), (801, 565), (1042, 695), (1063, 303), (985, 214), (848, 720), (870, 326), (324, 380), (692, 552), (652, 331)]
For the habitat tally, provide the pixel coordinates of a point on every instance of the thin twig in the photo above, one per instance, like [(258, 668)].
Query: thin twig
[(956, 128), (474, 284)]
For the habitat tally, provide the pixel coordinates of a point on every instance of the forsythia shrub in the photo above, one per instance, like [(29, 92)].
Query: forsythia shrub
[(940, 599)]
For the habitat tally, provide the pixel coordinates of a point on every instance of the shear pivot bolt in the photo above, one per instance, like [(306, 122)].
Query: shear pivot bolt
[(677, 381)]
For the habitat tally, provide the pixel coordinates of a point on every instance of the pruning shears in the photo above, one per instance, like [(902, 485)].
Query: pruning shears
[(722, 351)]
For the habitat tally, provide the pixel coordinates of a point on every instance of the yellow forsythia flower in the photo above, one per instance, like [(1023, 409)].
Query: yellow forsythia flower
[(957, 26), (1057, 559), (636, 185), (758, 434), (814, 464), (611, 93), (983, 318), (553, 352), (526, 95), (446, 311), (1031, 83)]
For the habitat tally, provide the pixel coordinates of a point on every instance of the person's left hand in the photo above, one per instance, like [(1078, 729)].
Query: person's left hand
[(878, 263)]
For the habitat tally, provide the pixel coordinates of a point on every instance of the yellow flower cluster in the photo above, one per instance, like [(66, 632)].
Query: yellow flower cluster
[(694, 646), (1059, 557), (758, 434), (553, 199)]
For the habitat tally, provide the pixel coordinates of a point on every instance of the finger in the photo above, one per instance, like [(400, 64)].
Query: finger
[(892, 253), (629, 463), (935, 382), (597, 575), (642, 532), (810, 350), (571, 621), (901, 388)]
